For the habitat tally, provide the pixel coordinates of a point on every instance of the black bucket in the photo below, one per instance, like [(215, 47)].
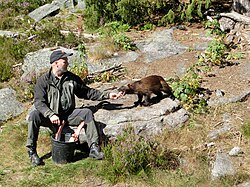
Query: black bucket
[(62, 151)]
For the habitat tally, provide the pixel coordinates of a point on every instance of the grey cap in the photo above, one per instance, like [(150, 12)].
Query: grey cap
[(58, 54)]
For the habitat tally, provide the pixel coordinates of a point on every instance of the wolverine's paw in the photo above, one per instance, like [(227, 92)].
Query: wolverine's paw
[(145, 103), (137, 104)]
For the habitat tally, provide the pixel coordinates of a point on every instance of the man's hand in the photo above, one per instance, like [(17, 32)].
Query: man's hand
[(116, 95), (56, 120)]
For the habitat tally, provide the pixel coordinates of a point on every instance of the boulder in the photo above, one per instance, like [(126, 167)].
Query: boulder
[(9, 106)]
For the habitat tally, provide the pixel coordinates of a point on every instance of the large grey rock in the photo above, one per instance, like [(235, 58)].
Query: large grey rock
[(45, 10), (225, 100), (160, 45), (222, 166), (48, 9), (149, 120), (38, 61), (9, 106)]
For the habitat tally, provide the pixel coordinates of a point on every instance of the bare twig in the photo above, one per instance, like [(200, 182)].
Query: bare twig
[(16, 65)]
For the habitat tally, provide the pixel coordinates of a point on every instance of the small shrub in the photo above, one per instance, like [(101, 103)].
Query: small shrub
[(48, 33), (92, 17), (115, 31), (5, 71), (215, 53), (235, 56), (186, 88), (13, 52), (107, 76), (132, 154), (112, 28), (147, 26), (124, 42), (189, 11), (214, 27), (80, 68), (170, 16), (129, 155)]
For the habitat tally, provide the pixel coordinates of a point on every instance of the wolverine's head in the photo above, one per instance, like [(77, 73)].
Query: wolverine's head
[(127, 89)]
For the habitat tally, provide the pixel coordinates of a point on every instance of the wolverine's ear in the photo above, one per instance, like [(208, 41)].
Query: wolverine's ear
[(129, 86)]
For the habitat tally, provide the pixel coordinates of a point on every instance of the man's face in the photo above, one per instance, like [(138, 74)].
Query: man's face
[(62, 65)]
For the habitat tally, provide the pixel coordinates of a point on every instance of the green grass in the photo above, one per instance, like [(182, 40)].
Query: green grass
[(16, 170), (245, 128)]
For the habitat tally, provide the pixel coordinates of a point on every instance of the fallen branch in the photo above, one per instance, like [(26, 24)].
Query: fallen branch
[(108, 69), (115, 70), (237, 17)]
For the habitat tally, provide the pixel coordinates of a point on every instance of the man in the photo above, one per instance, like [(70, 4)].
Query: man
[(55, 105)]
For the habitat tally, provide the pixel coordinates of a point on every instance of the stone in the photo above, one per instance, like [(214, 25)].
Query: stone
[(222, 166), (9, 105), (235, 151)]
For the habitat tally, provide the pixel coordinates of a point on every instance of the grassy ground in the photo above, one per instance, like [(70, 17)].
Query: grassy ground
[(195, 169)]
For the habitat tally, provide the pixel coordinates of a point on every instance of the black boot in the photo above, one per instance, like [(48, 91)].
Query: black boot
[(34, 158), (95, 152)]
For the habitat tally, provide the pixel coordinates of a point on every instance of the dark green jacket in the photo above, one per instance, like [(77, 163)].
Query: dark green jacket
[(52, 98)]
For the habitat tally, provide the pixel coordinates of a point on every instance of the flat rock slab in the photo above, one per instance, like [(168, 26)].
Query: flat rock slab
[(151, 120), (160, 45)]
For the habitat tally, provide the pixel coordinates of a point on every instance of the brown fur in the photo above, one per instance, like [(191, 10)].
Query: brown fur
[(147, 86)]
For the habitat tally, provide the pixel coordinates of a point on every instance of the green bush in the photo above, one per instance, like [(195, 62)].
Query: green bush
[(115, 31), (49, 34), (23, 6), (13, 52), (5, 71), (213, 27), (129, 155), (112, 28), (124, 42), (134, 12), (13, 13), (147, 26), (215, 53), (80, 68), (132, 154), (188, 88)]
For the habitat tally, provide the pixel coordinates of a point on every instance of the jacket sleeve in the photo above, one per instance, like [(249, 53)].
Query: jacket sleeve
[(83, 91), (41, 101)]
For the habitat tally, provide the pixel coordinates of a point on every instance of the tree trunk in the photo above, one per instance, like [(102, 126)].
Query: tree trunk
[(242, 7)]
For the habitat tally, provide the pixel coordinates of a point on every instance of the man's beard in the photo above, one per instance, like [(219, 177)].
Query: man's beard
[(61, 71)]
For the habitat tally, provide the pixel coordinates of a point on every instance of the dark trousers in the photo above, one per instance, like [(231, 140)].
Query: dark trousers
[(36, 119)]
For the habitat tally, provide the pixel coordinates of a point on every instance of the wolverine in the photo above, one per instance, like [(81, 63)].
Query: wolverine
[(145, 87)]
